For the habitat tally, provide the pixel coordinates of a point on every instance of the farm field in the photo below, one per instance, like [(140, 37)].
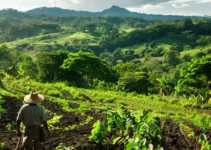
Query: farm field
[(72, 113)]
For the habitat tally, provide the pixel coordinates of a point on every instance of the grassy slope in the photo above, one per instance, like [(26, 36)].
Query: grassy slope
[(59, 38)]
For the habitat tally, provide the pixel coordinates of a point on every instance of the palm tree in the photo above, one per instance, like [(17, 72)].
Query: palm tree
[(178, 90)]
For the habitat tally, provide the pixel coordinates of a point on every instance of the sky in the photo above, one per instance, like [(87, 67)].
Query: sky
[(174, 7)]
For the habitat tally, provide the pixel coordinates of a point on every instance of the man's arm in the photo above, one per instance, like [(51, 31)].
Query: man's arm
[(18, 123), (46, 127)]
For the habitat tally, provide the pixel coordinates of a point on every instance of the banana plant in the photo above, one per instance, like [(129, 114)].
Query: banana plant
[(178, 89), (164, 85)]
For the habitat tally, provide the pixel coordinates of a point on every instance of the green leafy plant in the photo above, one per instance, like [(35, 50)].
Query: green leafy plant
[(205, 144), (62, 147), (98, 133), (127, 130), (2, 145)]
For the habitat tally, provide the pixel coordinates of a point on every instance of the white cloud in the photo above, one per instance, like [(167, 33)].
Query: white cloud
[(145, 7), (188, 1), (149, 6), (203, 1), (180, 6), (179, 1)]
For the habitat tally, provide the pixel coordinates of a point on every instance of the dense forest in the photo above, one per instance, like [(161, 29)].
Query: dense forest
[(161, 62), (109, 46)]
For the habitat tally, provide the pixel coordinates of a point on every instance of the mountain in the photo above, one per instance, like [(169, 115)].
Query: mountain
[(55, 11), (113, 11), (8, 13)]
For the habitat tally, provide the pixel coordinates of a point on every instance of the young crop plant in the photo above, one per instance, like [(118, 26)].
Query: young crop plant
[(203, 141), (146, 131), (62, 147), (140, 134), (98, 132)]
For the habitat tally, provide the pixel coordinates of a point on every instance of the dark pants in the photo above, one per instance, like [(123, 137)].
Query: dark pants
[(31, 138)]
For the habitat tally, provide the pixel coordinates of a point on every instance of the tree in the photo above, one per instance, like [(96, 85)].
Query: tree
[(16, 58), (49, 66), (118, 54), (108, 58), (66, 44), (175, 47), (5, 58), (137, 81), (196, 77), (187, 24), (164, 85), (27, 67), (172, 57), (196, 68), (91, 27), (88, 66), (127, 67)]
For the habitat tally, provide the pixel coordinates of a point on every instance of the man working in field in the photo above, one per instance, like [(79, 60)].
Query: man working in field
[(33, 116)]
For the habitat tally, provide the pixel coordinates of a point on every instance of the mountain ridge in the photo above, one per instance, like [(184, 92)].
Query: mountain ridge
[(114, 11)]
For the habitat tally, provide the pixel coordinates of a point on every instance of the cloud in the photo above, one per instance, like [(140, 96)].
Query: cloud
[(150, 6), (201, 7), (180, 6), (179, 1), (189, 1), (102, 4), (203, 1), (146, 7)]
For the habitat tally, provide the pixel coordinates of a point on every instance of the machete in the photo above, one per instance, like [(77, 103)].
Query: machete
[(18, 144)]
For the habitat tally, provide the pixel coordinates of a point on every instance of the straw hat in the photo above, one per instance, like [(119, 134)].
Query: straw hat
[(33, 98)]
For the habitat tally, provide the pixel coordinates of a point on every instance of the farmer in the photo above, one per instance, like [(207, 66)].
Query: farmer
[(33, 116)]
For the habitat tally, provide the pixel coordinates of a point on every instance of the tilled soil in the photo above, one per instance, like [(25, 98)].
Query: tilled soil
[(77, 138), (173, 136)]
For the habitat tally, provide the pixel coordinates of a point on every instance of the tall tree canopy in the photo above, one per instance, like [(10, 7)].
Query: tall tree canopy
[(197, 74), (135, 81), (49, 66), (89, 66), (5, 58)]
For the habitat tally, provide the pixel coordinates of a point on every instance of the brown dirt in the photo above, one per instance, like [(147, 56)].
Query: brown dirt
[(173, 136), (78, 138)]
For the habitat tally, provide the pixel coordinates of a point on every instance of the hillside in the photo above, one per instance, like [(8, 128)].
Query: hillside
[(72, 112)]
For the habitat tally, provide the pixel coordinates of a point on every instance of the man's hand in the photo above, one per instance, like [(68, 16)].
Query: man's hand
[(19, 133), (46, 127)]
